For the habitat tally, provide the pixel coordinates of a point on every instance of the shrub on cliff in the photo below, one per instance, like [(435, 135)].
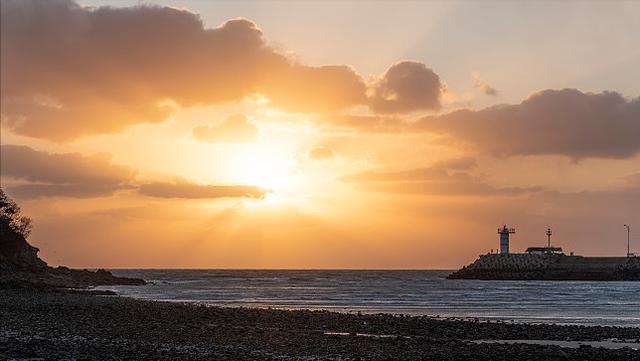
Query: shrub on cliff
[(11, 216), (15, 252)]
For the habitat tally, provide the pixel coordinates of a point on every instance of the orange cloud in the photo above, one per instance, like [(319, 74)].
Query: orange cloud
[(315, 89), (367, 123), (234, 128), (70, 71), (321, 153)]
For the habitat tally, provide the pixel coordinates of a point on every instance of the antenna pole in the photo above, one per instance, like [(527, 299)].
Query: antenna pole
[(628, 248)]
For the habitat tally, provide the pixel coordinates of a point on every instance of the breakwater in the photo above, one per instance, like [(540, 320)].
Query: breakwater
[(550, 267)]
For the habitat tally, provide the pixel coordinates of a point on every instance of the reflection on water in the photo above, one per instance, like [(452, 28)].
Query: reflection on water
[(408, 292)]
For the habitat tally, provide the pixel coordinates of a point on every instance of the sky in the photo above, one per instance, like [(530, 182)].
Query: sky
[(319, 134)]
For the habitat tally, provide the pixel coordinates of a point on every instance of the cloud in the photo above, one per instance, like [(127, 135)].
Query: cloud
[(188, 190), (551, 122), (321, 153), (437, 171), (315, 89), (36, 174), (449, 188), (462, 163), (34, 190), (234, 128), (445, 178), (366, 123), (483, 85), (632, 179), (70, 71), (406, 86), (67, 174)]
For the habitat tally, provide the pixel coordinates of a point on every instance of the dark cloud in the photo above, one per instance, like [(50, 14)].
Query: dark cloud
[(551, 122), (406, 87), (68, 174), (34, 190), (188, 190), (69, 71), (586, 207), (445, 178), (22, 162), (321, 153), (481, 84), (561, 122), (234, 128)]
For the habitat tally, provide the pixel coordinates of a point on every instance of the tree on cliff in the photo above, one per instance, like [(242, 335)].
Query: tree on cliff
[(15, 252), (11, 216)]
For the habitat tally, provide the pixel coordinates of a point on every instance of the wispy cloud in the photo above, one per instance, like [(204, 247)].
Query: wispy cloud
[(481, 84), (234, 128)]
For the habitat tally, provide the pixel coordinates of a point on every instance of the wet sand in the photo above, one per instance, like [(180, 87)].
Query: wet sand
[(46, 324)]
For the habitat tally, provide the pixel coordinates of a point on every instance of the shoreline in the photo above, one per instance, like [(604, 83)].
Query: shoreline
[(100, 291), (412, 293), (46, 324)]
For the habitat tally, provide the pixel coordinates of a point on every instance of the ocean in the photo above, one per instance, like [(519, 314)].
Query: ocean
[(414, 292)]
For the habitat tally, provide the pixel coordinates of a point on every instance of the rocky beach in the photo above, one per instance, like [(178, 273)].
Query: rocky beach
[(58, 324)]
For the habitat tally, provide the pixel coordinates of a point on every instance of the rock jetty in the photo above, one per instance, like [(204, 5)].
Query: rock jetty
[(525, 266)]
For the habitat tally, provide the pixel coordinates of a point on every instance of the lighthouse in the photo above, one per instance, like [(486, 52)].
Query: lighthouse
[(504, 233)]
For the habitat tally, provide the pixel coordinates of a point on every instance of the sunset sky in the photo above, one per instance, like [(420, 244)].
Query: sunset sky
[(239, 134)]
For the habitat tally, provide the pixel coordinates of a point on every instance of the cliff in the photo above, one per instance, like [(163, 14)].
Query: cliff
[(16, 254), (20, 266), (550, 267)]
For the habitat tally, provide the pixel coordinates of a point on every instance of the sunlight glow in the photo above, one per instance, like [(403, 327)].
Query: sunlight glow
[(265, 165)]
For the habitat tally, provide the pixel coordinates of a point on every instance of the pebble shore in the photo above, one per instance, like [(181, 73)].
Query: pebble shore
[(59, 325)]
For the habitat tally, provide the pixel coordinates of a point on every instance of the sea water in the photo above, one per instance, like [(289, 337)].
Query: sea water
[(414, 292)]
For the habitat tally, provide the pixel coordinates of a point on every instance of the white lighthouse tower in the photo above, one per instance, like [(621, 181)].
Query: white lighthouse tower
[(504, 233)]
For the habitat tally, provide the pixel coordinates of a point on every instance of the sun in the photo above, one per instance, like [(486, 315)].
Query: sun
[(266, 165)]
